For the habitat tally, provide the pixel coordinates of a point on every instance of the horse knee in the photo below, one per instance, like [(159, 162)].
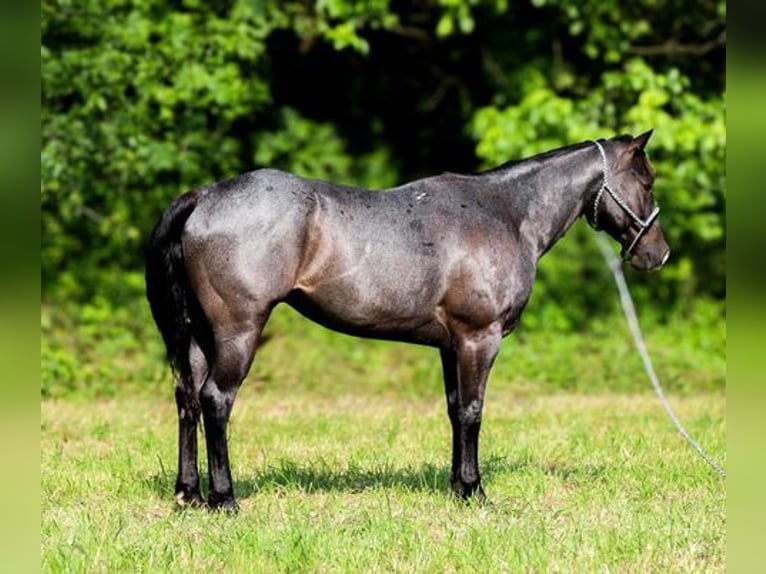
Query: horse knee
[(216, 404), (470, 414)]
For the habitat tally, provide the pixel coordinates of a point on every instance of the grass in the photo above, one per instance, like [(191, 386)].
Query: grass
[(358, 482), (340, 450)]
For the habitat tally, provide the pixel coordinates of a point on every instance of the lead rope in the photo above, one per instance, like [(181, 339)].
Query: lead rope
[(630, 314)]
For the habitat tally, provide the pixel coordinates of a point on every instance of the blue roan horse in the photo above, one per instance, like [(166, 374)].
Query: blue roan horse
[(447, 261)]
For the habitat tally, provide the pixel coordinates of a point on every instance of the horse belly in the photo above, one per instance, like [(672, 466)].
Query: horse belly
[(374, 294)]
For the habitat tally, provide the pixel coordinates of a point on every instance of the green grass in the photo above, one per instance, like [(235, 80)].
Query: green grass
[(358, 482), (340, 450)]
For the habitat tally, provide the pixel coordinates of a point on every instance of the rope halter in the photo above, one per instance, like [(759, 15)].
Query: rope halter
[(642, 224)]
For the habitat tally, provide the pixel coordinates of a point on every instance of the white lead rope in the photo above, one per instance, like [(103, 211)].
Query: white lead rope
[(630, 313)]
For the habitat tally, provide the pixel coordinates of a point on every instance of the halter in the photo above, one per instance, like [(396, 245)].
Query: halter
[(643, 225)]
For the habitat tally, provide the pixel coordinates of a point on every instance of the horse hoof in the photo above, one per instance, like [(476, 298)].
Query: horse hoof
[(479, 496), (186, 499), (470, 493), (222, 504), (229, 507)]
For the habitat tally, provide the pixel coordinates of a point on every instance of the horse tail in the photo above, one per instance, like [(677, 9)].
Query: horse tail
[(175, 307)]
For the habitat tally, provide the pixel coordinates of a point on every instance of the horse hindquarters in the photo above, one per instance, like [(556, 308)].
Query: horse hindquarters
[(241, 261)]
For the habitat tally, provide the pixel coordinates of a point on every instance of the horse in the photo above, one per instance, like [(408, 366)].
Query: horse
[(447, 261)]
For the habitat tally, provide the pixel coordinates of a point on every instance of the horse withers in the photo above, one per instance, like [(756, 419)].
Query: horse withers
[(447, 261)]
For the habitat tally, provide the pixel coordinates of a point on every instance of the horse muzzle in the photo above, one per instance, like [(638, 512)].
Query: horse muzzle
[(651, 253)]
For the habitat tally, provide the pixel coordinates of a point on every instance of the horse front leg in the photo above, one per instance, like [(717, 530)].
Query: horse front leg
[(450, 372), (187, 489), (475, 352)]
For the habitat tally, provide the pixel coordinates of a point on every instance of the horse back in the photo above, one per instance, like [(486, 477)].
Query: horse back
[(376, 263)]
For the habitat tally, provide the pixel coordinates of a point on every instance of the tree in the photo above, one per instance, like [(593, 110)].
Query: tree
[(143, 99)]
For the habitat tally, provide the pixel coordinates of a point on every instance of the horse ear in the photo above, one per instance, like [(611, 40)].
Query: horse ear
[(640, 141)]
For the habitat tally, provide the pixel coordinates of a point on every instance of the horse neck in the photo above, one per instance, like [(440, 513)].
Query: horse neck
[(547, 193)]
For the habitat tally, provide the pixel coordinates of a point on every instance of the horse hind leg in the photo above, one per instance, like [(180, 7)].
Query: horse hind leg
[(187, 489), (233, 356)]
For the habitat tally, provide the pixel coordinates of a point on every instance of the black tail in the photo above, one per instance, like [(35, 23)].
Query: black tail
[(174, 305)]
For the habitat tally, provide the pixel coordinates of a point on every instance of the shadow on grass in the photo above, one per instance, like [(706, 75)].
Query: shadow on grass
[(320, 476)]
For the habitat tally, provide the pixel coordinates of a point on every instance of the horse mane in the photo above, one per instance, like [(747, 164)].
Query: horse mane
[(548, 155)]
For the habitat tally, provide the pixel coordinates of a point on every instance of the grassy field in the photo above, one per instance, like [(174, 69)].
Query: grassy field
[(341, 482)]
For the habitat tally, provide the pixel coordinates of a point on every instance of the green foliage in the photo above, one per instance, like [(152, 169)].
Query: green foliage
[(314, 149), (104, 347), (458, 15), (340, 21), (144, 99), (139, 102), (109, 347), (623, 92)]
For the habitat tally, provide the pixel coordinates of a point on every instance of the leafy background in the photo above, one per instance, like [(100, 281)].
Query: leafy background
[(143, 99)]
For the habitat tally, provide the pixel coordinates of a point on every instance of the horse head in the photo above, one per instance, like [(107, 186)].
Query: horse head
[(624, 206)]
